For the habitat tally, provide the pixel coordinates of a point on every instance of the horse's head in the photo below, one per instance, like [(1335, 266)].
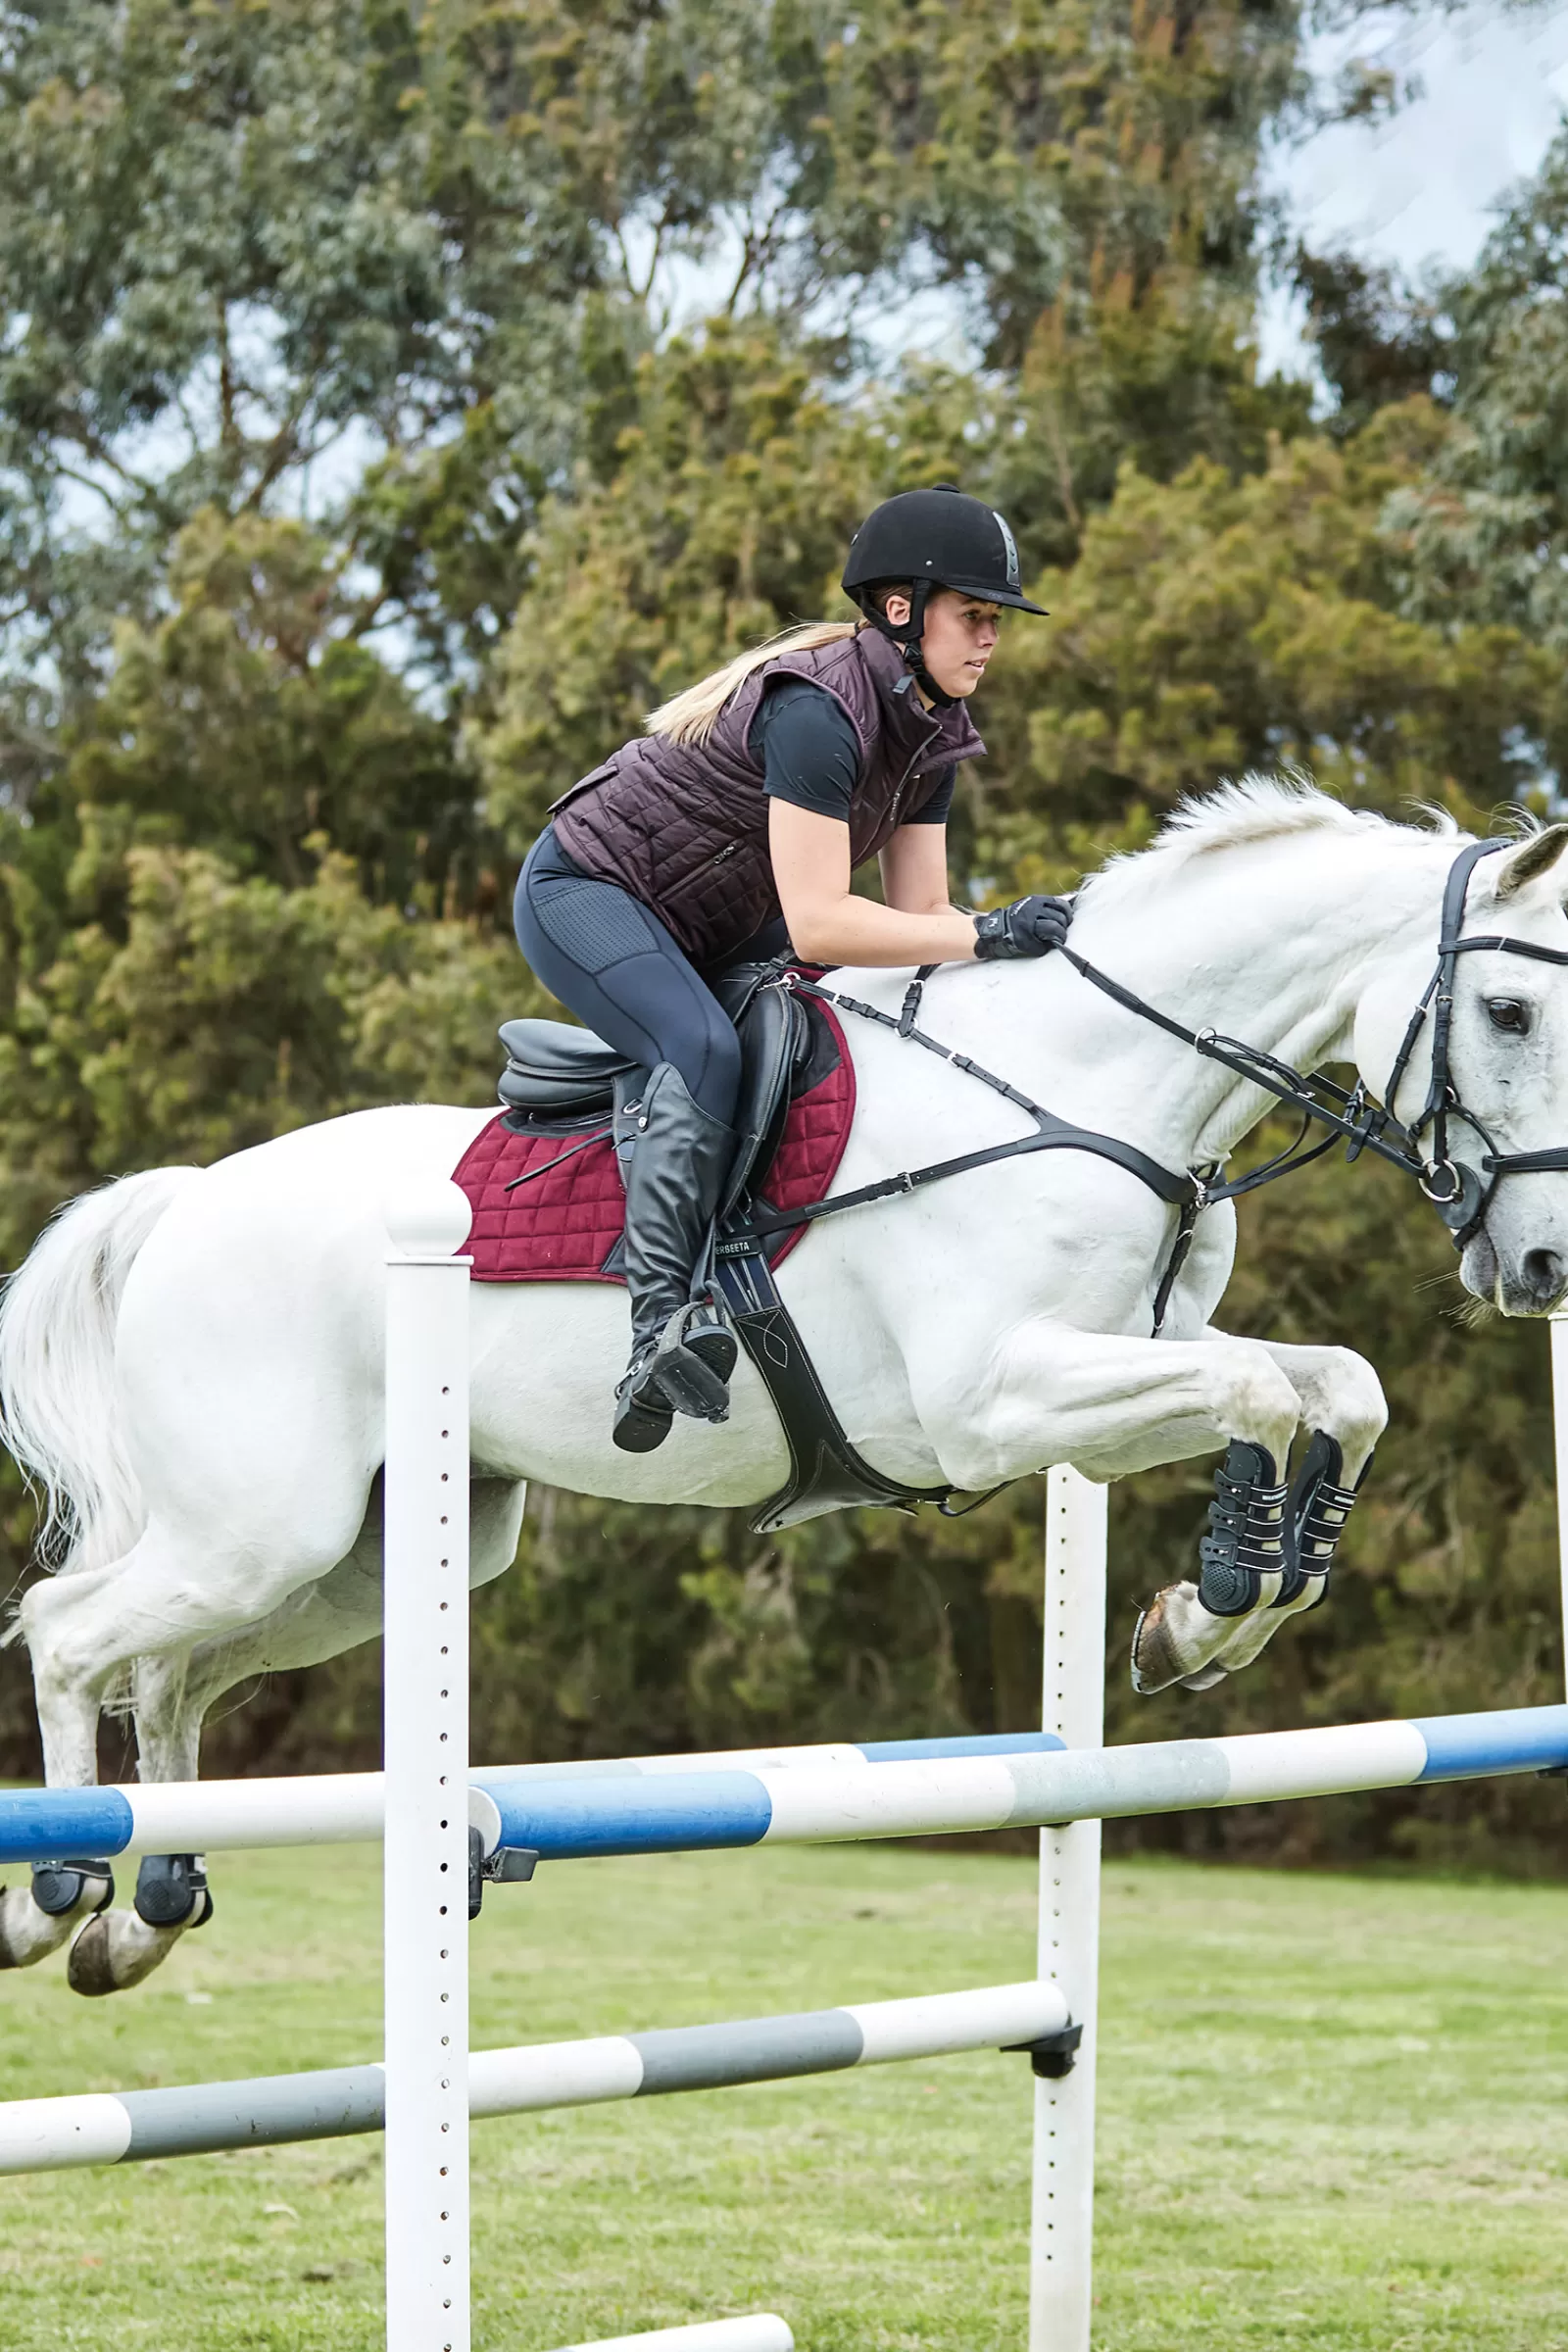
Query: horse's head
[(1497, 1026)]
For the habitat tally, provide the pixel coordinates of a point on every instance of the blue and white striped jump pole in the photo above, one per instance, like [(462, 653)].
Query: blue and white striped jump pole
[(927, 1788), (567, 1820)]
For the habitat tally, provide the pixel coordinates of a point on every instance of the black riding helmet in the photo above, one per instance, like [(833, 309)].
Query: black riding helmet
[(937, 538)]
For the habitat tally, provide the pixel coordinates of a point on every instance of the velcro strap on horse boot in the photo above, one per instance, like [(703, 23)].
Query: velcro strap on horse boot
[(1320, 1507), (169, 1887), (58, 1887), (1246, 1542)]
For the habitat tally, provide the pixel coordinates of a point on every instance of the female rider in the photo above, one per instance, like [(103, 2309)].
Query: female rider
[(731, 829)]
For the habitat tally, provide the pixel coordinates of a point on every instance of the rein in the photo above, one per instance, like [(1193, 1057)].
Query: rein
[(1455, 1188)]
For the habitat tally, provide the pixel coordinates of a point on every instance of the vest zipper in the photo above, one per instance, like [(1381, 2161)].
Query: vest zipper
[(709, 863), (894, 804)]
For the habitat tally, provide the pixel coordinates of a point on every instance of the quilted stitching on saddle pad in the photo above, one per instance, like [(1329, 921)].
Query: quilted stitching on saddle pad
[(561, 1226)]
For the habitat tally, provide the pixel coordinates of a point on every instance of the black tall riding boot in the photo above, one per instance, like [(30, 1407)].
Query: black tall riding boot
[(674, 1159)]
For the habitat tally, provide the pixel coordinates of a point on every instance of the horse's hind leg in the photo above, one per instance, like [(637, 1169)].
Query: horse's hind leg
[(37, 1918), (172, 1693), (170, 1592), (116, 1949)]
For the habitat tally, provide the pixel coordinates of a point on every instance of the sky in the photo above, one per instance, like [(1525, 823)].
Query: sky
[(1492, 87)]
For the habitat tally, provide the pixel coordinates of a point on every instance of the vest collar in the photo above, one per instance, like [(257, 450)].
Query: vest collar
[(904, 716)]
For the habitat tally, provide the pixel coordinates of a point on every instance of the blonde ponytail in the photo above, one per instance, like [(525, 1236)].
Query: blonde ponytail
[(688, 716)]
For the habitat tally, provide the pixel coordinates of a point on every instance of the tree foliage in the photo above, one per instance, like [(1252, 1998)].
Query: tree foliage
[(1485, 538)]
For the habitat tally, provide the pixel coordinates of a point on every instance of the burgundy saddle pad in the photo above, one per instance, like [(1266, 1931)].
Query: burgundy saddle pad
[(563, 1226)]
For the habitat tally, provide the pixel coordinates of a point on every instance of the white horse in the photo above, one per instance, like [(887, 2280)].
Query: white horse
[(191, 1360)]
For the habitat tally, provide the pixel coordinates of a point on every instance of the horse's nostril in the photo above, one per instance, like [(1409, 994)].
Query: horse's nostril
[(1543, 1270)]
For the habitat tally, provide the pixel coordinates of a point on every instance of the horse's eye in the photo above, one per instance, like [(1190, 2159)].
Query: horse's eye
[(1508, 1012)]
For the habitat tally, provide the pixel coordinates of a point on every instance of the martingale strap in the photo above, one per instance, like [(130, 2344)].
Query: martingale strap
[(1051, 1132), (1350, 1117), (1189, 1192)]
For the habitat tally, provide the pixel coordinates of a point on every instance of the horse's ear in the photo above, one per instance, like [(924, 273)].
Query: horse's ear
[(1535, 855)]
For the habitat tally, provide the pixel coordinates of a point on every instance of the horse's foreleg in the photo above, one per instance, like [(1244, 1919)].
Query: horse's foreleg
[(1112, 1405), (1343, 1407)]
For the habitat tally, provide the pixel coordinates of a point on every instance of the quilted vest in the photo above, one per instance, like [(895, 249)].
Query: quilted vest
[(683, 827)]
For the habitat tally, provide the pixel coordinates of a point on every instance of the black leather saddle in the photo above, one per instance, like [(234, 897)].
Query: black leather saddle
[(560, 1080)]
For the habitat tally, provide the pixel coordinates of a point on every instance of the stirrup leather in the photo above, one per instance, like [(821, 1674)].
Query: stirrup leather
[(1246, 1538)]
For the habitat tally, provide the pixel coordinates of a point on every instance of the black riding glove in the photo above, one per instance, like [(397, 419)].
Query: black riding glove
[(1028, 927)]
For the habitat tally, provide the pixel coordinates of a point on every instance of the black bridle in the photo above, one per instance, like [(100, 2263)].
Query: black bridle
[(1461, 1192), (1456, 1186)]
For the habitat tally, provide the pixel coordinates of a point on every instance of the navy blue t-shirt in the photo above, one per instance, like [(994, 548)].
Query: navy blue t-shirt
[(810, 757)]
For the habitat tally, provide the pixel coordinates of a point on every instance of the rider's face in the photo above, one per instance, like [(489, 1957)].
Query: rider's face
[(958, 639)]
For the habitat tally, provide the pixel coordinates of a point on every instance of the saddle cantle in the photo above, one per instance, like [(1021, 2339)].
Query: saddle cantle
[(558, 1074)]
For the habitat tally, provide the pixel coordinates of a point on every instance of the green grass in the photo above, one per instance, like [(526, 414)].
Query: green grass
[(1333, 2113)]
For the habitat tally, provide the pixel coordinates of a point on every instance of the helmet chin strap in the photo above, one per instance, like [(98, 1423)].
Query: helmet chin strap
[(907, 636)]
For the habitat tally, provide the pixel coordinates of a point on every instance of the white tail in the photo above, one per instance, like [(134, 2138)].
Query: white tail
[(57, 1368)]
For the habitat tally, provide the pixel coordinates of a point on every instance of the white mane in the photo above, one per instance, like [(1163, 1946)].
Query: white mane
[(1254, 807)]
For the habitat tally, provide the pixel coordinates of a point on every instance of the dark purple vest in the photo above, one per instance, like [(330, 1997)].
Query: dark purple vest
[(684, 826)]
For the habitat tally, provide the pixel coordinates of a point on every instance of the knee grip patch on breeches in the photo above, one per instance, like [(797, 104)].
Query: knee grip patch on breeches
[(594, 923)]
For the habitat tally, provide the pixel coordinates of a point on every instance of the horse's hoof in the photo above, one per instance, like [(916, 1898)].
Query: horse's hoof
[(29, 1935), (1176, 1639), (117, 1950), (1155, 1665)]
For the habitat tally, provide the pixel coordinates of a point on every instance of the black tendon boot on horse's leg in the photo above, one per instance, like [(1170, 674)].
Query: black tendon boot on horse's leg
[(674, 1159), (37, 1919), (1315, 1521), (1243, 1562), (1320, 1507)]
